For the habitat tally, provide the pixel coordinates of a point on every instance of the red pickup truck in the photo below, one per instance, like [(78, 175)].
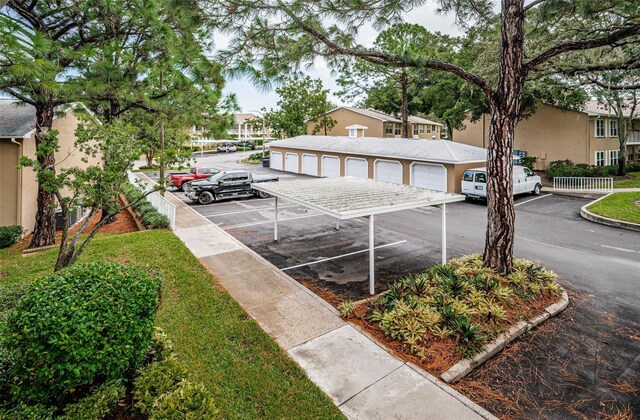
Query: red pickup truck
[(178, 179)]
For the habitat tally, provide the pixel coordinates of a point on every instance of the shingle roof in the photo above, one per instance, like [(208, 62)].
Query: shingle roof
[(388, 118), (16, 120), (441, 151), (595, 108)]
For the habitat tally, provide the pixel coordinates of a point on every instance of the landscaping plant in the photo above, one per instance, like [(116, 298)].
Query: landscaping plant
[(462, 301), (78, 328), (9, 235)]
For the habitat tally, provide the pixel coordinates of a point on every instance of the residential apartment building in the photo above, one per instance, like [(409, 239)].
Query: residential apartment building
[(359, 122), (18, 186), (551, 133)]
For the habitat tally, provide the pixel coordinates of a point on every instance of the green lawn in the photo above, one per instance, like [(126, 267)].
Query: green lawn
[(620, 206), (633, 182), (250, 376)]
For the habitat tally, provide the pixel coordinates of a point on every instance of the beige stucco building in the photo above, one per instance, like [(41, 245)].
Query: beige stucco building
[(437, 165), (376, 124), (18, 186), (552, 133)]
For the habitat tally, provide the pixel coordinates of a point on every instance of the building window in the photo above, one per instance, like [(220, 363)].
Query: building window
[(422, 129), (353, 133), (600, 128), (415, 130), (600, 158), (433, 128), (613, 157), (397, 129), (388, 128), (428, 129), (613, 128)]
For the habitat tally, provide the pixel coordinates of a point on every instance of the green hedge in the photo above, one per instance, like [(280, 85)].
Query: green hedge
[(150, 217), (562, 168), (9, 235), (80, 327)]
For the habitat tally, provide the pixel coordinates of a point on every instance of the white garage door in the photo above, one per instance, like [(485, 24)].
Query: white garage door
[(356, 167), (432, 177), (291, 162), (310, 165), (275, 160), (388, 170), (331, 166)]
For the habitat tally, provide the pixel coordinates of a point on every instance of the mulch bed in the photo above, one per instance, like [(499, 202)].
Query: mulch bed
[(124, 223), (582, 364), (441, 354)]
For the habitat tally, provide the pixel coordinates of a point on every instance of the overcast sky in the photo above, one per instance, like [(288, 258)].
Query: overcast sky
[(251, 99)]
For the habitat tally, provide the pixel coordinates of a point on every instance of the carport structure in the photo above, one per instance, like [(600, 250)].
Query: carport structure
[(350, 197)]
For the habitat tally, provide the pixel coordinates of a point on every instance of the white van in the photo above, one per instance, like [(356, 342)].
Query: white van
[(474, 182)]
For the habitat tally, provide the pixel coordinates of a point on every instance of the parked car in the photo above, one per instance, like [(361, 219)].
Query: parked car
[(474, 182), (227, 184), (226, 148), (248, 144), (179, 179)]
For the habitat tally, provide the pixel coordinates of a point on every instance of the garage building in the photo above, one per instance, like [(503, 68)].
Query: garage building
[(434, 164)]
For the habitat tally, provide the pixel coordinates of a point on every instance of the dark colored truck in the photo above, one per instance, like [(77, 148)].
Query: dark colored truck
[(227, 184), (179, 179)]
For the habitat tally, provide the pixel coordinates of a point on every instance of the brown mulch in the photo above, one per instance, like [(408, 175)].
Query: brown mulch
[(124, 223)]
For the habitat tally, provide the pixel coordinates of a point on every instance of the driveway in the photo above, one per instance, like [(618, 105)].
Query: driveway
[(584, 363)]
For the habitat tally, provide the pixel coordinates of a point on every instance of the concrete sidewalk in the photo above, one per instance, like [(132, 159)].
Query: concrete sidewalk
[(362, 378)]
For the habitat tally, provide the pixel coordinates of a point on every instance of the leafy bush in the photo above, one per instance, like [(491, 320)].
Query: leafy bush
[(28, 412), (98, 404), (78, 327), (257, 157), (462, 299), (529, 161), (566, 168), (155, 220), (9, 235), (9, 297), (160, 347), (155, 380), (189, 401)]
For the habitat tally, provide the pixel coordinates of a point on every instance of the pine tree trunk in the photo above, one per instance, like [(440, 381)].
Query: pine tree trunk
[(505, 108), (44, 230), (404, 84)]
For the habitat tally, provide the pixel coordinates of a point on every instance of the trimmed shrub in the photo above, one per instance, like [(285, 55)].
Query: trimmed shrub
[(81, 326), (28, 412), (9, 235), (188, 401), (160, 347), (9, 297), (155, 220), (529, 161), (102, 401), (155, 380)]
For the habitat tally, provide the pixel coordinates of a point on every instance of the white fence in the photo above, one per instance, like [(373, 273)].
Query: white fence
[(583, 184), (157, 201)]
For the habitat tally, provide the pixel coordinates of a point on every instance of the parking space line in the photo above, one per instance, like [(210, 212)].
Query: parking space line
[(620, 249), (341, 256), (268, 221), (248, 211), (532, 199)]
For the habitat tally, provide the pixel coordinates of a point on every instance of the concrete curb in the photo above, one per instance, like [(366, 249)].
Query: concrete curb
[(464, 367), (592, 217)]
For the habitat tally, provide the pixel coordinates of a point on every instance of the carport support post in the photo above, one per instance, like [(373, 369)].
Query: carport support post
[(275, 221), (443, 207), (372, 269)]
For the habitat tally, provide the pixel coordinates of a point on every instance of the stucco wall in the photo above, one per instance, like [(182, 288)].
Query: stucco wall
[(550, 134), (454, 171), (345, 118), (9, 182)]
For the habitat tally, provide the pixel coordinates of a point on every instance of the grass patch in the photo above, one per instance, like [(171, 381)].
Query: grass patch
[(222, 347), (631, 180), (452, 311), (619, 206)]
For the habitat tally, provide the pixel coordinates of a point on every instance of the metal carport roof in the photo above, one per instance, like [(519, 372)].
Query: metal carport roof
[(350, 197)]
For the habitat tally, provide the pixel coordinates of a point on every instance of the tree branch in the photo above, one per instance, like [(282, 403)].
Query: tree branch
[(582, 45), (533, 4), (611, 86)]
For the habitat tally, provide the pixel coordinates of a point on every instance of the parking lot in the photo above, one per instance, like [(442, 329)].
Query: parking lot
[(589, 358)]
